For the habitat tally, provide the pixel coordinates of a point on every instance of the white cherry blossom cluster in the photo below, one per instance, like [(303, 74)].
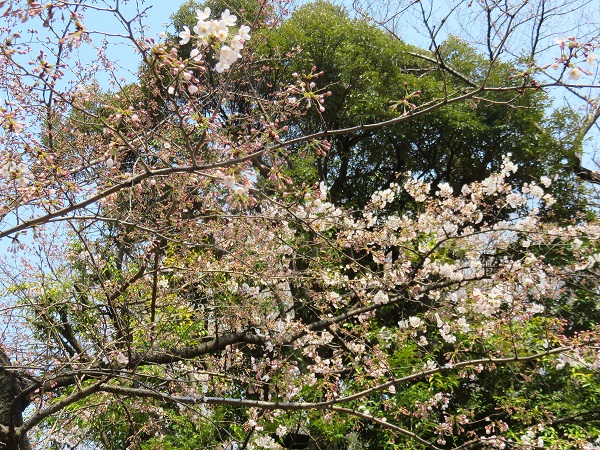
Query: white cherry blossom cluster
[(515, 200), (417, 189), (529, 440), (230, 182), (445, 330), (445, 190), (487, 303), (19, 171), (449, 271), (321, 214), (264, 442), (217, 31), (537, 192), (411, 322), (380, 199), (381, 298)]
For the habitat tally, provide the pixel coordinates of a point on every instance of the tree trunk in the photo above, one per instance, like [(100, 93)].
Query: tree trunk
[(11, 413)]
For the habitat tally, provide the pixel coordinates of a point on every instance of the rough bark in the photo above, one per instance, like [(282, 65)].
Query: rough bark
[(11, 407), (588, 175)]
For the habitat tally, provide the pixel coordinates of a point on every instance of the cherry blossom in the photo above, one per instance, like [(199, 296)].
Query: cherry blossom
[(203, 15), (219, 30), (185, 36), (591, 59), (244, 32), (203, 28), (228, 18), (574, 73)]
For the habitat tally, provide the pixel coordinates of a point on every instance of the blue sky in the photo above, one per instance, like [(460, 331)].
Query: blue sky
[(155, 20)]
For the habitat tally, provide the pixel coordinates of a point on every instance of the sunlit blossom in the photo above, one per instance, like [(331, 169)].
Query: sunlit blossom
[(445, 190), (185, 36), (229, 181), (545, 181), (203, 15), (591, 59), (228, 18), (236, 42), (381, 298), (574, 73), (244, 32), (220, 30), (222, 67), (415, 322), (196, 55), (203, 28)]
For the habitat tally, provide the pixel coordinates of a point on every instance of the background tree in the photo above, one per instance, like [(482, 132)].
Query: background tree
[(374, 76)]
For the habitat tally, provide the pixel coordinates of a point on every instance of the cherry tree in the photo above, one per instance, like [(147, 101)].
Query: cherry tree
[(160, 290)]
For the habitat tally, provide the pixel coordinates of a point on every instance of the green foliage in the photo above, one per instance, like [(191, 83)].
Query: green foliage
[(374, 77)]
